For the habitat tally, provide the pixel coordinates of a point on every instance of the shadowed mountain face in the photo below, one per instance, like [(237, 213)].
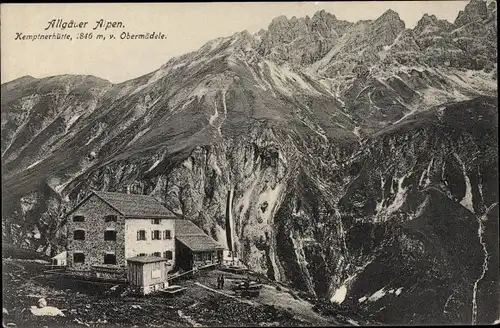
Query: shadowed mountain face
[(363, 156)]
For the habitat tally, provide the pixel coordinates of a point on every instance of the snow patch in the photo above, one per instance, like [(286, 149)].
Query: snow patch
[(353, 322), (225, 112), (356, 131), (72, 120), (339, 295), (467, 200), (398, 201), (421, 207), (426, 175), (35, 163), (137, 136), (214, 116), (155, 164), (377, 295)]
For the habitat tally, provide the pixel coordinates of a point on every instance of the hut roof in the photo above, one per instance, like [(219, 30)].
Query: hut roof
[(131, 205), (146, 259), (187, 228), (194, 237), (199, 243)]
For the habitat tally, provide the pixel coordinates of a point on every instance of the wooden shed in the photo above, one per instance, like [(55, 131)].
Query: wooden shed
[(147, 273), (194, 248), (59, 259)]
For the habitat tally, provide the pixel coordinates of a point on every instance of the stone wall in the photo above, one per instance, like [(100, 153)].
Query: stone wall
[(94, 246)]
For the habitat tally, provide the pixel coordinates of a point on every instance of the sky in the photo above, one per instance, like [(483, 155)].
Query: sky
[(186, 26)]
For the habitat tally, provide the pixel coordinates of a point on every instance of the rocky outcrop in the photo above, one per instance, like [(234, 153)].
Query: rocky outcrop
[(301, 41)]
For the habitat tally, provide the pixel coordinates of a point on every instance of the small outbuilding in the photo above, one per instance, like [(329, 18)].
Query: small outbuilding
[(147, 273), (194, 248), (59, 259)]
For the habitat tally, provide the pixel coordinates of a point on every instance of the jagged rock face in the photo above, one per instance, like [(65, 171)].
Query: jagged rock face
[(301, 41), (432, 191), (474, 11), (467, 43), (364, 169)]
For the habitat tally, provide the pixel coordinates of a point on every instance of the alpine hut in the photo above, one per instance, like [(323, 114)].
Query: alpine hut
[(194, 248)]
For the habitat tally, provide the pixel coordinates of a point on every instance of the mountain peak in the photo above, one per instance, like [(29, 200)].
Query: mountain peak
[(389, 14), (323, 15), (279, 20), (431, 24), (429, 18), (474, 11), (390, 17), (389, 24)]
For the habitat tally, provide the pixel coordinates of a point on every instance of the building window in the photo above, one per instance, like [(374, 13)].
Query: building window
[(110, 218), (155, 221), (78, 218), (167, 255), (78, 257), (157, 254), (110, 235), (166, 234), (141, 235), (79, 235), (155, 235), (109, 258), (142, 254)]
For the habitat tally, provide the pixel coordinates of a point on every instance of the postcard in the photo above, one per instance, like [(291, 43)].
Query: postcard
[(250, 164)]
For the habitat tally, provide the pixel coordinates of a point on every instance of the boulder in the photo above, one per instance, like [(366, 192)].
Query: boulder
[(42, 303)]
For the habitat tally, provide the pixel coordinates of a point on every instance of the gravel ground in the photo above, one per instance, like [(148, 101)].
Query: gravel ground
[(100, 305)]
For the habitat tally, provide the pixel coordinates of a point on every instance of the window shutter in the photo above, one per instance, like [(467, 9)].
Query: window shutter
[(152, 235), (138, 235)]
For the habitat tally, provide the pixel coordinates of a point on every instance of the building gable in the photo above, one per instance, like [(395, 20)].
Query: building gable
[(92, 202)]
